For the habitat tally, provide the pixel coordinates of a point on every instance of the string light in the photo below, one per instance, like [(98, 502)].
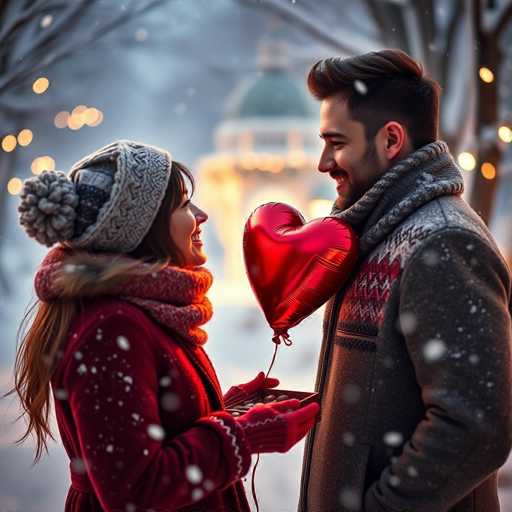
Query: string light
[(79, 116), (25, 137), (9, 143), (14, 186), (93, 117), (505, 133), (488, 171), (61, 119), (41, 85), (486, 75), (42, 163), (466, 161)]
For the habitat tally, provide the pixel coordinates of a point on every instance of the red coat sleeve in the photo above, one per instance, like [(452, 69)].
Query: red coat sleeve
[(112, 385)]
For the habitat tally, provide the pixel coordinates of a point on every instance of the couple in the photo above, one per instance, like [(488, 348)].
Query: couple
[(414, 373)]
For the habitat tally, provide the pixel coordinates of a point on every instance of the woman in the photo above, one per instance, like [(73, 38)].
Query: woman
[(117, 337)]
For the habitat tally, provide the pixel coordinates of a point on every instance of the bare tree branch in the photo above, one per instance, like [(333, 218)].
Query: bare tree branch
[(356, 43), (504, 20), (35, 63), (27, 16), (390, 21), (459, 11), (56, 28)]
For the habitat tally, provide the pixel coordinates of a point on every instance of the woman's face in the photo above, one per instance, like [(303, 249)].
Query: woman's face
[(185, 228)]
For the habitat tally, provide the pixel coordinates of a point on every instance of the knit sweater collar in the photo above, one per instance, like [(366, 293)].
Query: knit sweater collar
[(425, 174), (173, 296)]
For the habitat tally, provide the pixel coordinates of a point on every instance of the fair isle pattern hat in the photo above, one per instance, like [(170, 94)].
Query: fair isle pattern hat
[(107, 202)]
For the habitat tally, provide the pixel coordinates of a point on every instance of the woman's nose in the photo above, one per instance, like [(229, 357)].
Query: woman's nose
[(200, 215)]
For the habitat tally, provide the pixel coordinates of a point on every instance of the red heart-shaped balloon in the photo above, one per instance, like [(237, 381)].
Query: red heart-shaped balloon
[(294, 267)]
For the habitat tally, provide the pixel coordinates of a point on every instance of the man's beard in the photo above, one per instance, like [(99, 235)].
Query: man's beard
[(368, 161)]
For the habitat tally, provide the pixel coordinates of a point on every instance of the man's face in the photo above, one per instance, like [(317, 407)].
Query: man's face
[(347, 156)]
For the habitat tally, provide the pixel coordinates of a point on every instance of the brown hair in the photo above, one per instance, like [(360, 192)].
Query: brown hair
[(379, 87), (45, 326)]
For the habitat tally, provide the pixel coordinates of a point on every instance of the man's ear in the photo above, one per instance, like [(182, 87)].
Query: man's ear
[(394, 140)]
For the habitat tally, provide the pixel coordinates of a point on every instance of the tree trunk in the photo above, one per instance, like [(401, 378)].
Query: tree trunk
[(6, 172), (488, 149)]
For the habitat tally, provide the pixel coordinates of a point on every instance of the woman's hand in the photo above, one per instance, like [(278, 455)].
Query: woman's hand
[(277, 426), (242, 392)]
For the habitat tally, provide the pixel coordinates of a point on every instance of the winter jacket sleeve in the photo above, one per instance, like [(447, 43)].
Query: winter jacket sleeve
[(112, 387), (455, 296)]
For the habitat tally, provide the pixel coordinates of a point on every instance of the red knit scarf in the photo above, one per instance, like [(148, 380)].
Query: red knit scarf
[(173, 296)]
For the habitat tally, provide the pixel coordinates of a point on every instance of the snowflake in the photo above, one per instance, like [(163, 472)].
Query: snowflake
[(197, 494), (194, 474), (360, 87), (393, 438), (156, 432), (434, 350), (123, 343)]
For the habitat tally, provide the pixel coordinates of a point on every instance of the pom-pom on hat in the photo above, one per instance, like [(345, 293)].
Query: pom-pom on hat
[(107, 202)]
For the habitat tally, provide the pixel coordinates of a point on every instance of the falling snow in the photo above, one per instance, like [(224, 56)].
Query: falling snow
[(194, 474), (170, 402), (434, 350), (393, 438), (61, 394), (197, 494), (349, 498), (156, 432), (408, 323), (165, 381), (123, 343)]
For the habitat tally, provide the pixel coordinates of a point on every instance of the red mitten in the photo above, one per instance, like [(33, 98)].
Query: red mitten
[(243, 391), (277, 426)]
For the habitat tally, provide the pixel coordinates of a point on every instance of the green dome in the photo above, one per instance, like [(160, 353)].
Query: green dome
[(274, 94)]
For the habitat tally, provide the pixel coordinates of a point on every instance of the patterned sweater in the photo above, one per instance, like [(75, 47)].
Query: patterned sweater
[(415, 366)]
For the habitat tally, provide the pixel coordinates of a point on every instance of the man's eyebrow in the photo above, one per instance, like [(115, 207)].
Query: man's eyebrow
[(332, 135)]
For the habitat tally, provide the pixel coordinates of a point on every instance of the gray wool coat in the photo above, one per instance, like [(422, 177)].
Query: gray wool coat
[(415, 364)]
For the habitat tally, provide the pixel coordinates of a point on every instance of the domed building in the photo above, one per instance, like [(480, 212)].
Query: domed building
[(267, 150)]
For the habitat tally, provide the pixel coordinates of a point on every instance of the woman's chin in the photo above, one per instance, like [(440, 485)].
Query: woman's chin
[(196, 258)]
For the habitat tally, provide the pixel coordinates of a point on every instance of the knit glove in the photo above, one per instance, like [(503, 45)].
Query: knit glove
[(277, 426), (242, 392)]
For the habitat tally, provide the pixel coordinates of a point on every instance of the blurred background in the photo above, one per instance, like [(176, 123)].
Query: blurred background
[(221, 85)]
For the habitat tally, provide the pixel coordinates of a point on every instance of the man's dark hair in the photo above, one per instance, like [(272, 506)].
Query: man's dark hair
[(380, 87)]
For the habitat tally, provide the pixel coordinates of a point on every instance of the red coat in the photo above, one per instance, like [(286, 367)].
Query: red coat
[(129, 399)]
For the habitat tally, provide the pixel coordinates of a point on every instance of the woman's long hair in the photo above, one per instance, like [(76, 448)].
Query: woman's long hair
[(45, 327)]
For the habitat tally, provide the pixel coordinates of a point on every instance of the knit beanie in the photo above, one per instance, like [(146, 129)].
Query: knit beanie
[(107, 202)]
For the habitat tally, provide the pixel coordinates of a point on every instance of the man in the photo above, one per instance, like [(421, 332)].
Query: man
[(415, 366)]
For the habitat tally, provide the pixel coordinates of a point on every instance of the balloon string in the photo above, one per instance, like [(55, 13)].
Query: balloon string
[(253, 483), (273, 359), (277, 341)]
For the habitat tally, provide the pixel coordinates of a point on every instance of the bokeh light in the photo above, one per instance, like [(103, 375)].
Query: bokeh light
[(488, 171), (505, 133), (61, 119), (41, 85), (42, 163), (486, 75), (25, 137), (466, 161), (319, 208), (92, 117), (14, 186), (9, 143)]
